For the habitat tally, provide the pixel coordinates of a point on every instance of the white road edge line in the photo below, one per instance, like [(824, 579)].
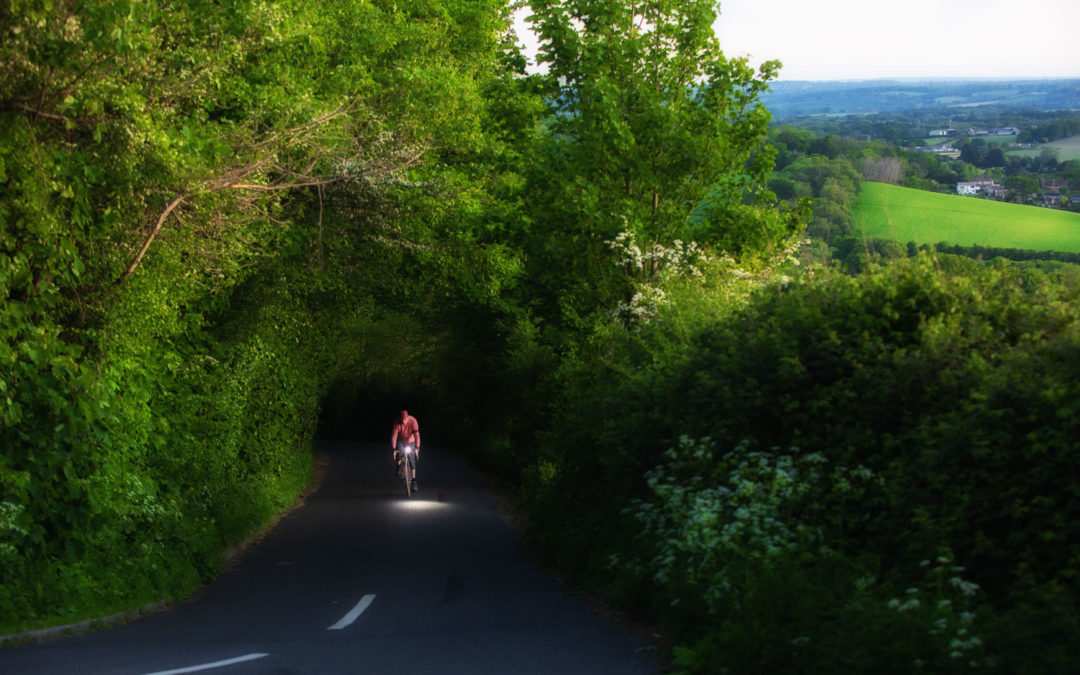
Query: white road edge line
[(208, 666), (353, 614)]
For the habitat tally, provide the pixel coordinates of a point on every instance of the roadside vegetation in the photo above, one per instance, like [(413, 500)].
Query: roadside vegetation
[(227, 230), (204, 211), (834, 475)]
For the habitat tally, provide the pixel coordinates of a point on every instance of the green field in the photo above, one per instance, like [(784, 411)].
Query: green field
[(907, 215), (1067, 148), (1005, 142)]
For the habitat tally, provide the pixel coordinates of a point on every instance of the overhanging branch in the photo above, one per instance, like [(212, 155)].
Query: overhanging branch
[(153, 233), (235, 186)]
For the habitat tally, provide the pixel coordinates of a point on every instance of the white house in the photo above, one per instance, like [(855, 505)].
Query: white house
[(973, 187)]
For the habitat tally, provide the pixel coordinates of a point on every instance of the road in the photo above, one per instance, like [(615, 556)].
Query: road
[(362, 580)]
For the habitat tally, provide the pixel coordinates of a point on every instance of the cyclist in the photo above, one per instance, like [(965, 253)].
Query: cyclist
[(406, 432)]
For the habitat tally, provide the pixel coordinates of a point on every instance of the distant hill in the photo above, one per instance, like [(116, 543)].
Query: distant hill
[(905, 214), (794, 98)]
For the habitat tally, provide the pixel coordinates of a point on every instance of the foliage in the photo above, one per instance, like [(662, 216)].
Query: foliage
[(755, 533), (174, 271), (223, 223), (834, 184), (872, 423), (988, 253), (651, 130)]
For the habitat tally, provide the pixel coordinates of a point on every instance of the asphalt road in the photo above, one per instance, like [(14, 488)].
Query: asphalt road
[(362, 580)]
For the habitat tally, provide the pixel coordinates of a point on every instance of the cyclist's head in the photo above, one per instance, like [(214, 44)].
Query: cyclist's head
[(403, 414)]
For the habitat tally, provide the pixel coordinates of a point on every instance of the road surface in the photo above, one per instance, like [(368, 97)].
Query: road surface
[(362, 580)]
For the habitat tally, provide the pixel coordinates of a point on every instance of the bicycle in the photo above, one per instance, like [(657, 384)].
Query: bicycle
[(406, 468)]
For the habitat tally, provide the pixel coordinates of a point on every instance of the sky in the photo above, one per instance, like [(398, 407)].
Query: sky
[(867, 39)]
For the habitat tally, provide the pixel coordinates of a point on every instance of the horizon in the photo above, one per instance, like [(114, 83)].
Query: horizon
[(937, 78)]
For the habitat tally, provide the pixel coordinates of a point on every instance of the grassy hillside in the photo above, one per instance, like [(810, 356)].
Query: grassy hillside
[(907, 215), (1066, 148)]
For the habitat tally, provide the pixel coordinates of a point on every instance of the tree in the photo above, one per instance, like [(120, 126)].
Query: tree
[(651, 130), (784, 187), (1070, 171), (1020, 189), (816, 170), (829, 145), (974, 152), (1046, 161), (882, 169)]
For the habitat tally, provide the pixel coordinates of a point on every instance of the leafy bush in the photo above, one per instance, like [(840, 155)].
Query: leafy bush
[(931, 405), (745, 546)]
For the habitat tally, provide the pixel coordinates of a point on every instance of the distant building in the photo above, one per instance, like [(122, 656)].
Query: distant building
[(942, 132), (982, 184), (1054, 184), (1006, 131)]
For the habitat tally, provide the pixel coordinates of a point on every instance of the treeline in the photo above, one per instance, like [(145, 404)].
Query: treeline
[(853, 254), (828, 171), (910, 128), (989, 253)]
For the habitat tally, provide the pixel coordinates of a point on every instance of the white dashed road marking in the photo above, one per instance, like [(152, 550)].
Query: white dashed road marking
[(353, 614), (208, 666)]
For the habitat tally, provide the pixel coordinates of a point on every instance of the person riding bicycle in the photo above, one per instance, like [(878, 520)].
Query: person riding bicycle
[(406, 432)]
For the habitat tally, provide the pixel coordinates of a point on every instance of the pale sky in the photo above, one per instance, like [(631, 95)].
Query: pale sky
[(866, 39)]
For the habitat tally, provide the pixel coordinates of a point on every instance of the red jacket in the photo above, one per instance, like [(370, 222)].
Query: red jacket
[(407, 429)]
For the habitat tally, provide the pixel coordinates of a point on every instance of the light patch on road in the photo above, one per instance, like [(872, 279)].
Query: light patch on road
[(417, 505), (209, 666), (354, 613)]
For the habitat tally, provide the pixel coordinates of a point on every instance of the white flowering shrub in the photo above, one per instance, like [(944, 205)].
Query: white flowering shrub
[(715, 514), (943, 602), (755, 548), (648, 269), (685, 259)]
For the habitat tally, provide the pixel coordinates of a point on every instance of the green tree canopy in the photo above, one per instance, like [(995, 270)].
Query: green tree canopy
[(651, 130)]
